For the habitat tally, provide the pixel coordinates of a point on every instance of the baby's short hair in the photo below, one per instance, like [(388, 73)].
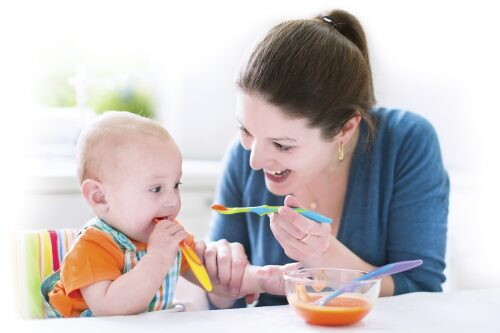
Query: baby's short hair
[(108, 129)]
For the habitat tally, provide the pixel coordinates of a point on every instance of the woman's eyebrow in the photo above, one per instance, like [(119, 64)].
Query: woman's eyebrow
[(241, 124), (284, 138)]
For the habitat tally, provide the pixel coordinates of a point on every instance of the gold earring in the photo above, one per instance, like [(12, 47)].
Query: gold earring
[(341, 152)]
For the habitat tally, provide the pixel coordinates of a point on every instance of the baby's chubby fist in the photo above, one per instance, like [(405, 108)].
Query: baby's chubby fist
[(270, 277), (165, 238)]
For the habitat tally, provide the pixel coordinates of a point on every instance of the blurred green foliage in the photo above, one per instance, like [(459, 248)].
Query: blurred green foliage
[(130, 98), (55, 90)]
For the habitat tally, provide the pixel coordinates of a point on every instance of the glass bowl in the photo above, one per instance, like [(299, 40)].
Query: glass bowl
[(305, 286)]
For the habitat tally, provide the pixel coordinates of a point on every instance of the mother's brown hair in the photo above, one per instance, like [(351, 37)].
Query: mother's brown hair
[(315, 69)]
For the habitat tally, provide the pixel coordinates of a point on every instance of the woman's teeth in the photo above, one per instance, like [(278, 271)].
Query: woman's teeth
[(280, 173)]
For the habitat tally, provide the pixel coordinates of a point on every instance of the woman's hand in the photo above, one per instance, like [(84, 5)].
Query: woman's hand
[(225, 263), (301, 238)]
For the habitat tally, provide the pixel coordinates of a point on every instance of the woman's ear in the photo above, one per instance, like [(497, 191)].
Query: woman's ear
[(349, 129), (93, 193)]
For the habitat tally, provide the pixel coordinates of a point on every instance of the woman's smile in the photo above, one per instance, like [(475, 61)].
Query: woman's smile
[(277, 176)]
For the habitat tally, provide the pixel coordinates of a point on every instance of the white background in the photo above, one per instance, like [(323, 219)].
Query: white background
[(436, 58)]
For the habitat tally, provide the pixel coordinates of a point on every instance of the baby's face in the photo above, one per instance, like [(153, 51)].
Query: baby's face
[(143, 185)]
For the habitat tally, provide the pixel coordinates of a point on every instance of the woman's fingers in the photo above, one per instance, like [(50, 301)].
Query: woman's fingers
[(223, 261), (297, 224), (293, 218), (218, 261), (288, 222), (238, 263), (291, 245), (291, 201), (282, 219), (310, 227), (300, 237), (200, 248), (211, 262)]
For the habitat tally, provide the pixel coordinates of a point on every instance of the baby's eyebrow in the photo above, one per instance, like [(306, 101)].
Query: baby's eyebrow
[(157, 177)]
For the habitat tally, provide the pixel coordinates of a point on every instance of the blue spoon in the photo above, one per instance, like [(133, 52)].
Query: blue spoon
[(388, 269)]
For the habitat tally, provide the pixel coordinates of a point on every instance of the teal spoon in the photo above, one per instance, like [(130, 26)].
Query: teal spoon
[(265, 209)]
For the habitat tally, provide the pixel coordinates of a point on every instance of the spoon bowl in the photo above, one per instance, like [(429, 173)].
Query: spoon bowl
[(305, 286)]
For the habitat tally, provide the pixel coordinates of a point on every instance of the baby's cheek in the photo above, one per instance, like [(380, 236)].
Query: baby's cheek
[(179, 202)]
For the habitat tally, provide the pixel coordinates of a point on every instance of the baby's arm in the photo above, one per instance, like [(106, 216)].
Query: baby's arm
[(256, 280), (266, 279), (132, 292)]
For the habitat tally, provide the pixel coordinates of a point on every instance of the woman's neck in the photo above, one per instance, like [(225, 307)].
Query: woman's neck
[(326, 193), (338, 170)]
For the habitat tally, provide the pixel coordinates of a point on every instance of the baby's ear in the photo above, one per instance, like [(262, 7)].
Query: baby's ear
[(93, 193)]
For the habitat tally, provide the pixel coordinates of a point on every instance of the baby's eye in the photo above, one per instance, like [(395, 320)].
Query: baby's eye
[(281, 147), (177, 185), (156, 189)]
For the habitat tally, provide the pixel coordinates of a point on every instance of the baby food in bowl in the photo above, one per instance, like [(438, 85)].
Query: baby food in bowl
[(305, 289)]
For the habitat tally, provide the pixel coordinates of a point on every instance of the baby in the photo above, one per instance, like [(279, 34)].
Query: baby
[(126, 260)]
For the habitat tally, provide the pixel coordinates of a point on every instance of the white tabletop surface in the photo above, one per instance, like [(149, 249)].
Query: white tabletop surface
[(465, 311)]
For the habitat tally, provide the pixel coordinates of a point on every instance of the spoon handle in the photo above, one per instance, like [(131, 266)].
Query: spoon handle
[(388, 269), (312, 215)]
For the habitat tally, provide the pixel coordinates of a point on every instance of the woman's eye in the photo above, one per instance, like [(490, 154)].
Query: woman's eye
[(177, 185), (244, 130), (156, 189), (281, 147)]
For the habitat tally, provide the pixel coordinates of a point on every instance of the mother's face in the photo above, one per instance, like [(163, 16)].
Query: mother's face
[(290, 153)]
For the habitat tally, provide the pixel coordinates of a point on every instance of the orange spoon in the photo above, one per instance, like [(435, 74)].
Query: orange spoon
[(195, 264)]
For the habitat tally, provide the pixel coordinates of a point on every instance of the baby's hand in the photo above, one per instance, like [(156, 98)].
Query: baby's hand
[(270, 277), (165, 238)]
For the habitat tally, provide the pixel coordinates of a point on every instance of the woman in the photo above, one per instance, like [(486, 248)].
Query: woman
[(311, 137)]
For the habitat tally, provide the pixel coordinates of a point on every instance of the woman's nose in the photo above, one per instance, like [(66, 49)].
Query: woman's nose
[(257, 157)]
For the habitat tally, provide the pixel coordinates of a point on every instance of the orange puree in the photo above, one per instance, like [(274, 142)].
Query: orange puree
[(342, 310)]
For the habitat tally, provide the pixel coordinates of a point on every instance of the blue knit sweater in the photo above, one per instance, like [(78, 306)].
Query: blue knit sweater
[(396, 204)]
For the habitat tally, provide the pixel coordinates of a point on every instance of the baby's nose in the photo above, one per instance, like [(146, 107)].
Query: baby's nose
[(171, 200)]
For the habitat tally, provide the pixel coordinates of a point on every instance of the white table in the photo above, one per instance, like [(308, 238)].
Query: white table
[(465, 311)]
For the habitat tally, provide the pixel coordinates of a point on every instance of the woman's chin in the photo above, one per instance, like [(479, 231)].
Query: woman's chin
[(278, 189)]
